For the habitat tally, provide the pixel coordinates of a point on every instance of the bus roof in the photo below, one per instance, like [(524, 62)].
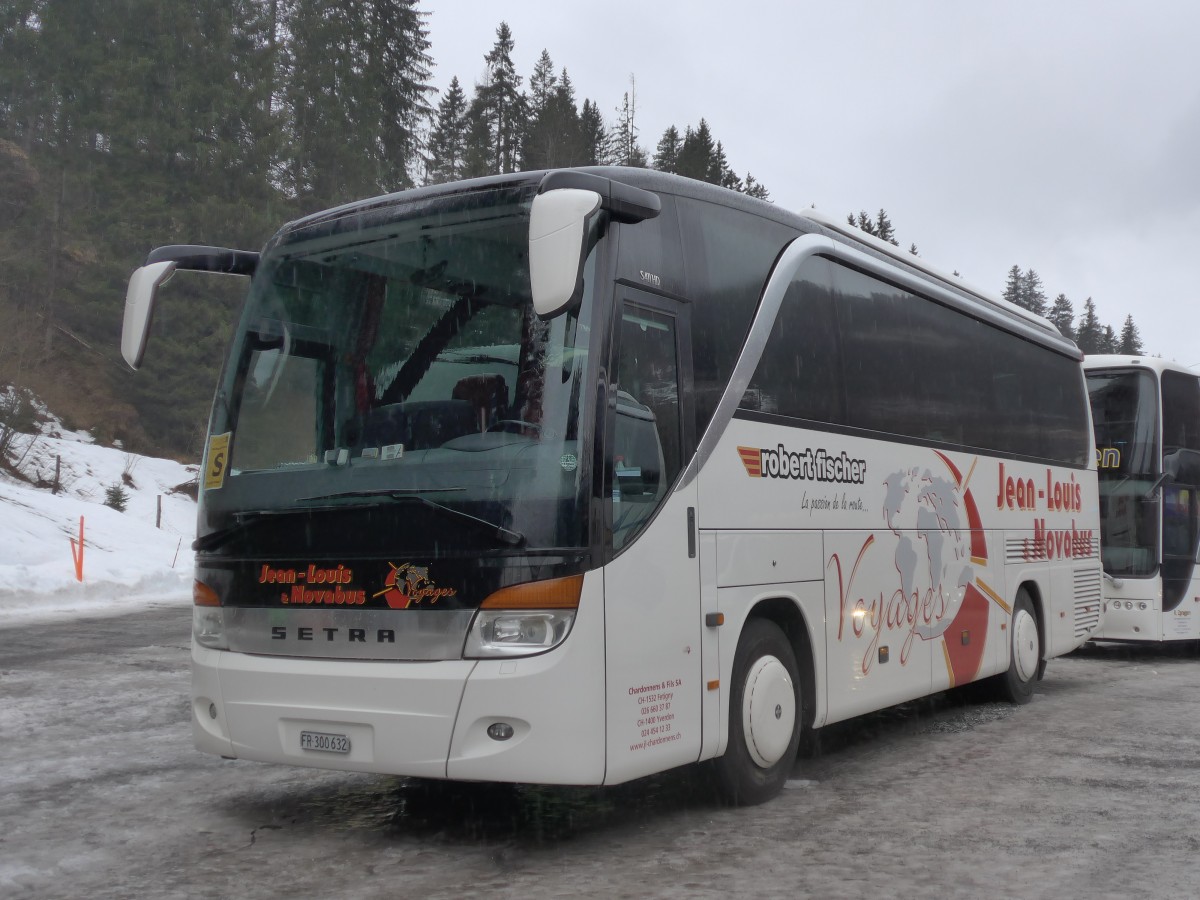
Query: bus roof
[(1153, 363)]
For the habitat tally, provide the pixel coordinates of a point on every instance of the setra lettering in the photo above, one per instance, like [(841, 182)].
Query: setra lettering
[(332, 635)]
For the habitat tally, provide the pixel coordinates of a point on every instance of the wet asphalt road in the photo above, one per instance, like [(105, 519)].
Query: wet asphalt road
[(1092, 790)]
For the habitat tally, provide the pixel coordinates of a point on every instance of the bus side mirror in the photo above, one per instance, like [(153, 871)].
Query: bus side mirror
[(160, 264), (139, 309), (558, 232), (1182, 465)]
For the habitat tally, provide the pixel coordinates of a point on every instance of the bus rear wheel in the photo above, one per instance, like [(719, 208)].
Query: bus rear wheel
[(765, 716), (1025, 661)]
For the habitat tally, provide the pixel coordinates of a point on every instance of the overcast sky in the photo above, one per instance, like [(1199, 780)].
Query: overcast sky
[(1059, 136)]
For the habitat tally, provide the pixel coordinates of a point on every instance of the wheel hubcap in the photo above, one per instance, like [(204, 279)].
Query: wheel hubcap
[(1025, 645), (768, 711)]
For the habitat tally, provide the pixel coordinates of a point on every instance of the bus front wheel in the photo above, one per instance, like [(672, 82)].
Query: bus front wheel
[(1016, 685), (765, 716)]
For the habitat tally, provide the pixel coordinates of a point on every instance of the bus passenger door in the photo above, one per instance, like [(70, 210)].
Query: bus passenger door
[(652, 581)]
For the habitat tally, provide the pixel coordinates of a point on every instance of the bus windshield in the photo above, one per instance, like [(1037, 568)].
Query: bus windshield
[(392, 360), (1124, 412)]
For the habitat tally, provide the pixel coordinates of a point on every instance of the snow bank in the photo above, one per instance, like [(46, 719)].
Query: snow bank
[(127, 561)]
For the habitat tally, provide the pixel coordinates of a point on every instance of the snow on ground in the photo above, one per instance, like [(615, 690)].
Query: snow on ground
[(127, 561)]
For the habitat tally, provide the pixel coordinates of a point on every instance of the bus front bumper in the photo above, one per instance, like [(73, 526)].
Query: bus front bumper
[(420, 719)]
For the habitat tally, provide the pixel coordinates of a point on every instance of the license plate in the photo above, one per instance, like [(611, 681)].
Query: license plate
[(326, 743)]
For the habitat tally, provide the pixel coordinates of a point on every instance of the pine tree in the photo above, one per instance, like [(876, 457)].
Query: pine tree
[(553, 137), (666, 154), (864, 223), (355, 95), (1062, 314), (1012, 287), (542, 83), (883, 228), (1031, 295), (719, 171), (116, 497), (756, 189), (447, 148), (23, 215), (563, 115), (593, 136), (479, 158), (696, 152), (626, 150), (1108, 340), (498, 110), (912, 248), (1089, 335), (1131, 339), (397, 50)]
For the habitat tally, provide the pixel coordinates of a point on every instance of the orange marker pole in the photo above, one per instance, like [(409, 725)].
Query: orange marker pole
[(77, 552)]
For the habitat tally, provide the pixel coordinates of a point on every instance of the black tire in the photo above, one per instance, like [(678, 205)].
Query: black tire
[(757, 761), (1025, 663)]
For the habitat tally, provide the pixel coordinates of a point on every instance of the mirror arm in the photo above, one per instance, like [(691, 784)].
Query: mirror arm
[(197, 258), (623, 202), (1162, 479)]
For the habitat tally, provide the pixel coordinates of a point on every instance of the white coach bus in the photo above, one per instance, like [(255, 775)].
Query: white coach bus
[(576, 476), (1146, 413)]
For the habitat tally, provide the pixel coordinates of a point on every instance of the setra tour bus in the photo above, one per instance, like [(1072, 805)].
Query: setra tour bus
[(575, 476), (1146, 413)]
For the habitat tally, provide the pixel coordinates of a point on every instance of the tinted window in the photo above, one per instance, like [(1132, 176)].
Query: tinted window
[(1181, 412), (729, 255), (1125, 416), (916, 368), (1180, 494), (873, 356), (647, 452), (887, 347), (798, 373)]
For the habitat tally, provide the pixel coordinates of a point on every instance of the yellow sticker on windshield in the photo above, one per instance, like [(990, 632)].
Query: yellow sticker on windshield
[(217, 461)]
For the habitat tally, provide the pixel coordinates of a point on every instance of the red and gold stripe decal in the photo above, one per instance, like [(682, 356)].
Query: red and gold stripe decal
[(752, 460)]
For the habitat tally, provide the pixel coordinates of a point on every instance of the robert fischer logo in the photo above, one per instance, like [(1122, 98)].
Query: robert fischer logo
[(805, 465)]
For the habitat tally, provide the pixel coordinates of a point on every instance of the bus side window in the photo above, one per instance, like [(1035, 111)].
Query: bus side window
[(798, 375), (647, 444)]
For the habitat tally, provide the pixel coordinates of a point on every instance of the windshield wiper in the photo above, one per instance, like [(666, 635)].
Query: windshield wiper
[(245, 518), (382, 492), (508, 536), (215, 539)]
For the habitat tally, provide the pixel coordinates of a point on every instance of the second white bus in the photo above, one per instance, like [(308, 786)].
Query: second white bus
[(1146, 413)]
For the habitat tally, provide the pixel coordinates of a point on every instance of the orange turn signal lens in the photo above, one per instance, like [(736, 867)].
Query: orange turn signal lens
[(203, 595), (557, 593)]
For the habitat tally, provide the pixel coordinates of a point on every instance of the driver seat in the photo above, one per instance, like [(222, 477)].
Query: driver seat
[(487, 394)]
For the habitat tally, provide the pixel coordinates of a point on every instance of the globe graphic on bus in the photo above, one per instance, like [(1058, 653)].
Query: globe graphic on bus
[(933, 546)]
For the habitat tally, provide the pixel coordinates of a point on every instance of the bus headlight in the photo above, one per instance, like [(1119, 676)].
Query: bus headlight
[(208, 619), (208, 627), (517, 633), (524, 619)]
